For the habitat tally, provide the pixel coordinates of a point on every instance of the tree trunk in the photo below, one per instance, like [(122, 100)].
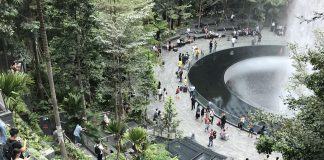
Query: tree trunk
[(199, 16), (118, 148), (79, 75), (38, 71), (43, 34)]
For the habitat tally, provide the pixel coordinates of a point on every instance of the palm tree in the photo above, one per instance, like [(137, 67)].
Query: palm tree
[(44, 45), (118, 128), (138, 137), (13, 86)]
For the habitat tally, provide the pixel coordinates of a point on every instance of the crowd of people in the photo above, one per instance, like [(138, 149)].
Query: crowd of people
[(206, 115)]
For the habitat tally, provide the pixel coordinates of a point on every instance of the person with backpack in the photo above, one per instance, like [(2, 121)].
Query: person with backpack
[(98, 148), (13, 143), (212, 136)]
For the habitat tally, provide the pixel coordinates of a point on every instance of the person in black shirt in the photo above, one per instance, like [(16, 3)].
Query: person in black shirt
[(99, 150), (13, 143), (193, 103), (210, 46), (223, 121)]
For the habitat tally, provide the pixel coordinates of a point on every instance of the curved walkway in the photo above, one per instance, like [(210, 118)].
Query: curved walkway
[(239, 146)]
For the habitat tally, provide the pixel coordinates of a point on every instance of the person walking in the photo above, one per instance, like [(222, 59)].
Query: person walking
[(223, 120), (241, 123), (210, 46), (202, 113), (180, 74), (206, 122), (193, 103), (98, 150), (198, 111), (233, 41), (211, 137)]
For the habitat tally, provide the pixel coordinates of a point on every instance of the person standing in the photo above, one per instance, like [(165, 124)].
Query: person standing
[(251, 130), (198, 112), (206, 122), (177, 92), (212, 114), (98, 150), (273, 26), (241, 123), (211, 138), (215, 44), (13, 144), (77, 134), (259, 38), (193, 103), (223, 120), (180, 74), (233, 41), (210, 46), (160, 94), (165, 94), (202, 113)]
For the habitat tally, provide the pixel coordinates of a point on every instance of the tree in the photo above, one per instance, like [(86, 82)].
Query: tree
[(157, 152), (138, 137), (43, 34), (169, 121), (300, 137), (118, 128)]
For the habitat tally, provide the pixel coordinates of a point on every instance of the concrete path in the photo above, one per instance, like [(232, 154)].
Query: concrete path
[(239, 146)]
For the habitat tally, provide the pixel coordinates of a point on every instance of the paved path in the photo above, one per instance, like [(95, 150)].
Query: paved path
[(239, 146)]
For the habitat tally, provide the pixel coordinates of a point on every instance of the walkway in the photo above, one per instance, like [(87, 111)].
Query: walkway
[(239, 146)]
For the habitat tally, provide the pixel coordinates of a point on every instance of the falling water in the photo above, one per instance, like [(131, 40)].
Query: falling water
[(303, 33), (260, 81)]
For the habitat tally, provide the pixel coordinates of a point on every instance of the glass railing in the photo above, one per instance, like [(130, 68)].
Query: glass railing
[(230, 118)]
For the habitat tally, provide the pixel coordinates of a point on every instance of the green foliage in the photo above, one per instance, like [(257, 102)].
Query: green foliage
[(75, 153), (116, 127), (35, 140), (15, 84), (265, 144), (138, 136), (300, 137), (157, 152), (169, 121), (114, 157)]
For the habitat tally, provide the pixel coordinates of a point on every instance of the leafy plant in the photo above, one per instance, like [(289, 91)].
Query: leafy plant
[(138, 137), (157, 152)]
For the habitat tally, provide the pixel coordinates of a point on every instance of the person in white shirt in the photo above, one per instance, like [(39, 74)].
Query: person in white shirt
[(273, 26), (160, 93), (99, 150), (233, 41), (106, 119)]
